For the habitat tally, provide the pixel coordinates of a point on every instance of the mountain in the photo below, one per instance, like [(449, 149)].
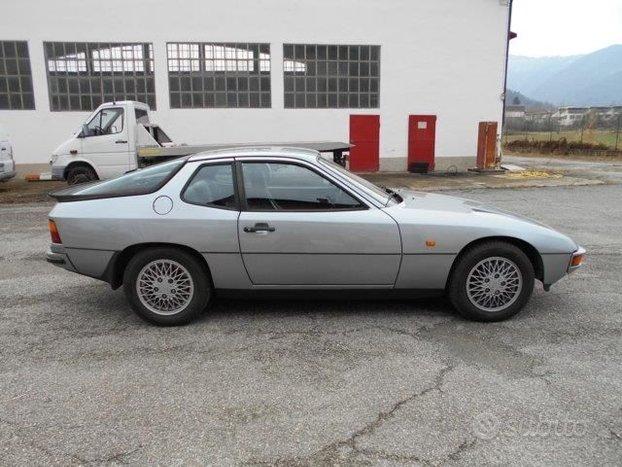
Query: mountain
[(581, 80)]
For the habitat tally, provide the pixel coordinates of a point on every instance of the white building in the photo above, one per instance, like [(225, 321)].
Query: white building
[(261, 70), (570, 116)]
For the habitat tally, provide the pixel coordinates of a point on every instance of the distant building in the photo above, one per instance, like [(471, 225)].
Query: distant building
[(569, 116), (515, 111)]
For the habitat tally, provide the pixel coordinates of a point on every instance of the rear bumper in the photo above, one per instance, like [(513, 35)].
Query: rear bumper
[(5, 176), (92, 263), (57, 256)]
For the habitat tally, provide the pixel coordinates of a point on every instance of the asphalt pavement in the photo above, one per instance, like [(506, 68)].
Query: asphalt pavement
[(84, 381)]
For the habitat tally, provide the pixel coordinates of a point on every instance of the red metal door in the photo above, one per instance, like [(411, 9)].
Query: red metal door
[(365, 136), (486, 145), (421, 142)]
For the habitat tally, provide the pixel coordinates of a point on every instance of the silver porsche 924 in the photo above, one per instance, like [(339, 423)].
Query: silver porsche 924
[(284, 219)]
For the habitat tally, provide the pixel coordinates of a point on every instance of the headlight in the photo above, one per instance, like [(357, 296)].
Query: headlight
[(6, 154), (53, 158)]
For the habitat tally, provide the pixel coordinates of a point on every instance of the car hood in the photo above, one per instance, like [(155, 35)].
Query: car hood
[(434, 202), (454, 222)]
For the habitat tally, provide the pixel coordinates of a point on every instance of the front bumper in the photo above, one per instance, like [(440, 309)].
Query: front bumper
[(58, 173), (5, 176), (58, 257), (576, 261)]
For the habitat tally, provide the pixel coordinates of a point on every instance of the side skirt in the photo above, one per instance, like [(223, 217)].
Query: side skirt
[(331, 294)]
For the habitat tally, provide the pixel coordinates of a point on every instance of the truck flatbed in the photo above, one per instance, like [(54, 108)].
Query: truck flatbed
[(334, 147)]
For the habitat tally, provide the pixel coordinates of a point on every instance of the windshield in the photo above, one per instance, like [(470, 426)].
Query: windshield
[(140, 182), (382, 195)]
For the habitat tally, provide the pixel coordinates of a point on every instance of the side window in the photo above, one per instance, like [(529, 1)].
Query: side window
[(274, 186), (106, 122), (142, 116), (211, 185)]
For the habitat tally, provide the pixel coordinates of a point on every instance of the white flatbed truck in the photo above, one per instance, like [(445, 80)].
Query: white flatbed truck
[(118, 137)]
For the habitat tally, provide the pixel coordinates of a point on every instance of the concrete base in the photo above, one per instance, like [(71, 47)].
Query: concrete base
[(441, 164)]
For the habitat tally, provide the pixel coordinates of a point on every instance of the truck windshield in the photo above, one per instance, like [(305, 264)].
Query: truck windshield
[(140, 182)]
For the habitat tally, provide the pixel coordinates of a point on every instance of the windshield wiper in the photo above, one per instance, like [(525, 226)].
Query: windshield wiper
[(392, 193)]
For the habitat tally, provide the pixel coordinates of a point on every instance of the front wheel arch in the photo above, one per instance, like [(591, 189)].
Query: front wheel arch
[(527, 248), (116, 267), (80, 163)]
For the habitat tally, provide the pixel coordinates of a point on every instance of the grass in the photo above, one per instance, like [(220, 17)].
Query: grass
[(605, 137)]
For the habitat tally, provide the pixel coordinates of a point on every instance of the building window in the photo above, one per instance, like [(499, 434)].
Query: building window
[(331, 76), (83, 75), (218, 75), (15, 76)]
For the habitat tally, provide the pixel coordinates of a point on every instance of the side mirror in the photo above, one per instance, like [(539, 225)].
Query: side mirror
[(85, 131)]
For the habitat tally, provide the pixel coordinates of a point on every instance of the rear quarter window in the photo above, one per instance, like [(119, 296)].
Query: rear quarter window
[(140, 182)]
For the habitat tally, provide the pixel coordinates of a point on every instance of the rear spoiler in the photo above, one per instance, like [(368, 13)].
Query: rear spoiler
[(69, 193)]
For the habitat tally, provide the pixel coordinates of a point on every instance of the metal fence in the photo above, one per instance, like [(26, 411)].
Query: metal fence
[(604, 131)]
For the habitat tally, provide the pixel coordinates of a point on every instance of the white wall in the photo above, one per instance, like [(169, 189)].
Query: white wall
[(443, 57)]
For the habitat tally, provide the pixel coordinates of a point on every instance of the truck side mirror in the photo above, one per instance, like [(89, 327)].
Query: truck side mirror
[(85, 131)]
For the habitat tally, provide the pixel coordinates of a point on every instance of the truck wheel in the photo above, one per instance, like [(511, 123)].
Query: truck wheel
[(166, 286), (491, 282), (80, 174)]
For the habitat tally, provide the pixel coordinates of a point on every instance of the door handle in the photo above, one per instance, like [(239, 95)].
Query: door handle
[(259, 227), (121, 141)]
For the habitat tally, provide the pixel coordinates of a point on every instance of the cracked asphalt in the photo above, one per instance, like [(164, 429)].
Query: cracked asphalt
[(84, 381)]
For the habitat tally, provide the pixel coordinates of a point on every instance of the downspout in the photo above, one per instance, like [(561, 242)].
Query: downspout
[(509, 37)]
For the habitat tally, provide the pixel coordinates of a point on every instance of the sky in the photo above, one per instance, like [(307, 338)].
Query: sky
[(565, 27)]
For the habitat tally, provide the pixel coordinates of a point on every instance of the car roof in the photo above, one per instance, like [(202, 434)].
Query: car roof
[(257, 151)]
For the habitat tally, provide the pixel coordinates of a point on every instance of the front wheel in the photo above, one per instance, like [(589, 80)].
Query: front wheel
[(491, 282), (166, 286), (80, 174)]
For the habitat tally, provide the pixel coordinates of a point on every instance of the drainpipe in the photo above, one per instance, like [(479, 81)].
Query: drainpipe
[(510, 35)]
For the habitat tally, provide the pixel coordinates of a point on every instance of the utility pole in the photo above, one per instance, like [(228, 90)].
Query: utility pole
[(618, 132)]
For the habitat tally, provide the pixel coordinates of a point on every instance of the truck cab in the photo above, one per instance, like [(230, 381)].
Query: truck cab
[(105, 146)]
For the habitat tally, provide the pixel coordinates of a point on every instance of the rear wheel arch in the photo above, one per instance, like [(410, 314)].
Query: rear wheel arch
[(530, 251), (118, 263)]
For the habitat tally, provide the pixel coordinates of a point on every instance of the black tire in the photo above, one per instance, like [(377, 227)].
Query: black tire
[(197, 301), (457, 287), (80, 174)]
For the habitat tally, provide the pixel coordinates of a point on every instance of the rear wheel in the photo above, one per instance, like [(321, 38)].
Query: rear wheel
[(491, 282), (80, 174), (166, 286)]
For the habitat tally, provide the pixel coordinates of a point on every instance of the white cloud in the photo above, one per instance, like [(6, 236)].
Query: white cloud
[(565, 27)]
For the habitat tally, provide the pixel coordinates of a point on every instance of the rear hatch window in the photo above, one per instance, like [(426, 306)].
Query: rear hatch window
[(139, 182)]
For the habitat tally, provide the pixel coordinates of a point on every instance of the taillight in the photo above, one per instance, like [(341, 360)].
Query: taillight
[(54, 231)]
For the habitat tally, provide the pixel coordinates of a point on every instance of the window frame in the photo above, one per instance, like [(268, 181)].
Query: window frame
[(236, 195), (321, 66), (203, 74), (93, 69), (19, 76), (107, 134), (242, 193)]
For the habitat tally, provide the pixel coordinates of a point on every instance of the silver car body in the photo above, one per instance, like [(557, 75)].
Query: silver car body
[(7, 162), (407, 245)]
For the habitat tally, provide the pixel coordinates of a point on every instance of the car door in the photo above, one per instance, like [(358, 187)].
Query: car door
[(300, 227), (106, 143)]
